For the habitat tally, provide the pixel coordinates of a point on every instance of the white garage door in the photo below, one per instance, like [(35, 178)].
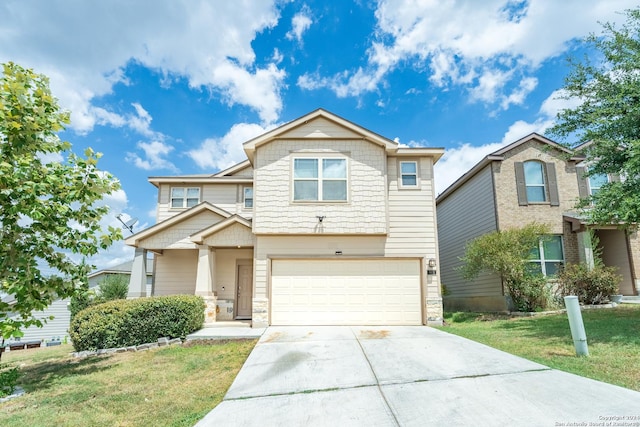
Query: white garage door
[(345, 292)]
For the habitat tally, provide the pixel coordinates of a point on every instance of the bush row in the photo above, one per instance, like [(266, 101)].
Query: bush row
[(591, 286), (124, 323)]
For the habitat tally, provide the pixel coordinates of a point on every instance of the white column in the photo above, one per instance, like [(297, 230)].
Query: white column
[(205, 271), (138, 278), (585, 248)]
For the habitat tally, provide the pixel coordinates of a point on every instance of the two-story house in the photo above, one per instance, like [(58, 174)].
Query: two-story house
[(532, 179), (325, 223)]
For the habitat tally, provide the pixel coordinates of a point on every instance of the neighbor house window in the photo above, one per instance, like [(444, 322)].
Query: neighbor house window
[(596, 182), (548, 257), (185, 197), (409, 174), (535, 182), (320, 179), (248, 197)]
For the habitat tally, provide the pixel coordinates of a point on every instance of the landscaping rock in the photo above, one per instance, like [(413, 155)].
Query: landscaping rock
[(163, 341)]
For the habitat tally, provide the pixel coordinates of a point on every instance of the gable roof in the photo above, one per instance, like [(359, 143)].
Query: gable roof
[(234, 219), (499, 155), (135, 239), (251, 145), (124, 268), (233, 169)]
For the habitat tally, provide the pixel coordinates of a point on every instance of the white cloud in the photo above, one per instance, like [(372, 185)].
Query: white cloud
[(457, 161), (155, 153), (492, 48), (221, 153), (300, 23), (545, 119), (84, 47)]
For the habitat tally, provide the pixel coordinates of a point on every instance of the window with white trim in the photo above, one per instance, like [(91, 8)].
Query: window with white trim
[(320, 179), (248, 197), (408, 174), (185, 197), (596, 182), (535, 181), (548, 257)]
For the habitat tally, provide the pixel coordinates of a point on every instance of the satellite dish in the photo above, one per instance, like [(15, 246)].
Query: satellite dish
[(127, 224)]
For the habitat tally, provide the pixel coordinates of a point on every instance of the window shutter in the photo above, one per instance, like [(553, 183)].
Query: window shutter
[(520, 184), (552, 184), (583, 189)]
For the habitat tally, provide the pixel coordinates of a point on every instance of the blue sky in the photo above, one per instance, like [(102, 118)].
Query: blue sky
[(164, 87)]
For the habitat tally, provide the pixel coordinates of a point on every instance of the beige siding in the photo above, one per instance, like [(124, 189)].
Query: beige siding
[(467, 213), (364, 213), (224, 196), (412, 228), (177, 237), (312, 246), (176, 272), (510, 214), (56, 328), (634, 249), (244, 173), (233, 235), (225, 270), (616, 254), (321, 128), (412, 219)]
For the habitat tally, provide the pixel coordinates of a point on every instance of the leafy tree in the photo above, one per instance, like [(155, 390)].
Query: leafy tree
[(506, 253), (608, 119), (114, 286), (48, 209)]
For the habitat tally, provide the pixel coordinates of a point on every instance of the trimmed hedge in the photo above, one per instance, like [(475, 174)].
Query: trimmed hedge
[(123, 323)]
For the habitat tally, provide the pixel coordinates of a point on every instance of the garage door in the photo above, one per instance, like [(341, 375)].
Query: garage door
[(345, 292)]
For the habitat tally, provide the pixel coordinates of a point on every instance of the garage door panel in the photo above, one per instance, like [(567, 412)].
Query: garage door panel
[(358, 292)]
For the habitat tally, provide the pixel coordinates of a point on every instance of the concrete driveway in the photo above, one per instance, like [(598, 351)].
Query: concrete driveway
[(407, 376)]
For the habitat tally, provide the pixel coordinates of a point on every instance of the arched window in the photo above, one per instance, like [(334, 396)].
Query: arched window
[(535, 181)]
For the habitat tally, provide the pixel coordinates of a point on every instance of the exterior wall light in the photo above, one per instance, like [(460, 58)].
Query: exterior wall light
[(431, 266)]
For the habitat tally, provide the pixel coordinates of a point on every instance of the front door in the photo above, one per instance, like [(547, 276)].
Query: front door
[(244, 294)]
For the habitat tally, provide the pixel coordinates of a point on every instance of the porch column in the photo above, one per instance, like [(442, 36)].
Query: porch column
[(585, 248), (138, 278), (205, 271)]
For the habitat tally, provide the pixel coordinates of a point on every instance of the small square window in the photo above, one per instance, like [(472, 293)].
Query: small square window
[(409, 174)]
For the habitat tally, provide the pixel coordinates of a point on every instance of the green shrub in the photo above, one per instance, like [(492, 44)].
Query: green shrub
[(123, 323), (8, 379), (531, 293), (591, 286), (114, 286)]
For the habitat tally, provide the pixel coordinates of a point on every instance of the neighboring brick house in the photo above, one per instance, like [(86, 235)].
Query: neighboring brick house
[(325, 223), (532, 179)]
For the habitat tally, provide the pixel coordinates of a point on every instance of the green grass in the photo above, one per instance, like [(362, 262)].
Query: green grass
[(613, 336), (170, 386)]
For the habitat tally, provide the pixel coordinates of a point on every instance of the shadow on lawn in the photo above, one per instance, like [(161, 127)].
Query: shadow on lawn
[(46, 374), (619, 325)]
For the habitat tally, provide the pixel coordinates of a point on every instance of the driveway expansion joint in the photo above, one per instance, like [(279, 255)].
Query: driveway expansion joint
[(291, 393)]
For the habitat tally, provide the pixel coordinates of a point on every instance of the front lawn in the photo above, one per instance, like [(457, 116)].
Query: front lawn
[(170, 386), (613, 336)]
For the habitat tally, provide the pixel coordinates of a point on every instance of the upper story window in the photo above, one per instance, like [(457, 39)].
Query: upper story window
[(548, 257), (248, 197), (184, 197), (320, 179), (535, 182), (408, 174), (596, 182)]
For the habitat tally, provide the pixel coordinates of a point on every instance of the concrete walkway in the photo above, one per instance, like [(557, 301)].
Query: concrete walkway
[(407, 376)]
